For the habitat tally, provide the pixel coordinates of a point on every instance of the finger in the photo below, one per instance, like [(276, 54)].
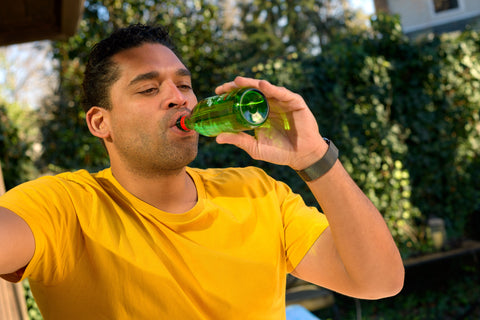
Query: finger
[(280, 94), (271, 91), (238, 82), (241, 139), (247, 82), (226, 87)]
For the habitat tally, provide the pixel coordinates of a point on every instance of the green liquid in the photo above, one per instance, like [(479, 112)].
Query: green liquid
[(239, 110)]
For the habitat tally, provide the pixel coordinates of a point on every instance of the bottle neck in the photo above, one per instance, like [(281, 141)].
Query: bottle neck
[(181, 124)]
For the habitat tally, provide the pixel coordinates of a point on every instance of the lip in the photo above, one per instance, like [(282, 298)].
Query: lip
[(177, 130), (176, 117)]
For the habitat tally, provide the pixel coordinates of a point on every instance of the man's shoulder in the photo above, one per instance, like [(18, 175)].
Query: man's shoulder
[(65, 179), (233, 178)]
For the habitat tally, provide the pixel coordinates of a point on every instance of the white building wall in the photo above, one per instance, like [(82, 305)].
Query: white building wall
[(420, 14), (412, 12), (472, 5)]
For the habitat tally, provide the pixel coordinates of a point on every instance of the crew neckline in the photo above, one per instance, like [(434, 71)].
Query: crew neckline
[(148, 209)]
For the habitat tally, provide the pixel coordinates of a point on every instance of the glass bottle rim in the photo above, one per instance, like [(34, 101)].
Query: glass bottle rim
[(260, 115)]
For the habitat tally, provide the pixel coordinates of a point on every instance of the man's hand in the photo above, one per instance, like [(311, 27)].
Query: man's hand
[(290, 135)]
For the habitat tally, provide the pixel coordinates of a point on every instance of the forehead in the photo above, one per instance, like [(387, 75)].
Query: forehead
[(147, 58)]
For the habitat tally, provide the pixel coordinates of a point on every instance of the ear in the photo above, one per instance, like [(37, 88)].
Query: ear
[(97, 121)]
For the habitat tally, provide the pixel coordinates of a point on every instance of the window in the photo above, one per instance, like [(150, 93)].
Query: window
[(443, 5)]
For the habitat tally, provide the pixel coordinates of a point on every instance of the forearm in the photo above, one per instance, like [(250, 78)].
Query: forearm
[(360, 236)]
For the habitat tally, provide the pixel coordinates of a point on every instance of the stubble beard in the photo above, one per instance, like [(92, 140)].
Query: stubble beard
[(169, 158)]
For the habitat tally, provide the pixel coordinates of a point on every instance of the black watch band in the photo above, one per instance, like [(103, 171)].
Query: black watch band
[(322, 166)]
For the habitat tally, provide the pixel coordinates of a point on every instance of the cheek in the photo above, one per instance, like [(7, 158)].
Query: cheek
[(121, 125), (137, 128), (193, 100)]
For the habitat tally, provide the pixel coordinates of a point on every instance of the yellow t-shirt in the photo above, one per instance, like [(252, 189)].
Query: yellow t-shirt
[(102, 253)]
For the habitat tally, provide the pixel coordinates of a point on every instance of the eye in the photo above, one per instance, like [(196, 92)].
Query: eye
[(185, 87), (149, 91)]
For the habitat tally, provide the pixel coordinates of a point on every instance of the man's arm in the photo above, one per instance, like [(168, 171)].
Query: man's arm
[(17, 244), (356, 255)]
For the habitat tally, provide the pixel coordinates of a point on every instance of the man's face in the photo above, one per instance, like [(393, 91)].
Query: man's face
[(153, 91)]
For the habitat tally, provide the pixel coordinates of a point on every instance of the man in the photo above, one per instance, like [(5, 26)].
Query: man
[(152, 238)]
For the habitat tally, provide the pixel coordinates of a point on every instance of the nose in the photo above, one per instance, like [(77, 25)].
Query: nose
[(176, 97)]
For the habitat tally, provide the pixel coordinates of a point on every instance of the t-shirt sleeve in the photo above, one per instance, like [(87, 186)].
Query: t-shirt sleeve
[(302, 225), (46, 207)]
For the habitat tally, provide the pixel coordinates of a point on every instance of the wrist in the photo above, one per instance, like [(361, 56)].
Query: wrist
[(322, 166)]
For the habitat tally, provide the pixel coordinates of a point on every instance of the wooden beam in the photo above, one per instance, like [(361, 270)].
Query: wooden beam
[(382, 6), (467, 247), (71, 13), (34, 20)]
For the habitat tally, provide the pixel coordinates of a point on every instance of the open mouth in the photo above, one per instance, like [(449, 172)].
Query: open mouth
[(181, 124)]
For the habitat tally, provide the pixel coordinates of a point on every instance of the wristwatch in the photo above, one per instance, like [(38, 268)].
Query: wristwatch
[(322, 166)]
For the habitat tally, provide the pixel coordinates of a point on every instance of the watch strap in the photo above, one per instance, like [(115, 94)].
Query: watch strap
[(323, 165)]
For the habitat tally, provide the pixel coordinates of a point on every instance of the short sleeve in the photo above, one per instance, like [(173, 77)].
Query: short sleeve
[(302, 225), (47, 208)]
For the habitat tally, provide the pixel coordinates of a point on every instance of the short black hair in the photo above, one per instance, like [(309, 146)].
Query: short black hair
[(101, 71)]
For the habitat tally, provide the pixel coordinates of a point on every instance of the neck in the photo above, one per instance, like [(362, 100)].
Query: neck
[(171, 191)]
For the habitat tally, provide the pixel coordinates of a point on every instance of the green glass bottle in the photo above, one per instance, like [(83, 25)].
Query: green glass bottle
[(238, 110)]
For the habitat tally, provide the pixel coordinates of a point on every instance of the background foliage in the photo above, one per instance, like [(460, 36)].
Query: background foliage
[(15, 162)]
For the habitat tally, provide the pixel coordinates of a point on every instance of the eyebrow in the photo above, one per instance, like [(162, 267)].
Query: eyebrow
[(183, 73), (154, 74)]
